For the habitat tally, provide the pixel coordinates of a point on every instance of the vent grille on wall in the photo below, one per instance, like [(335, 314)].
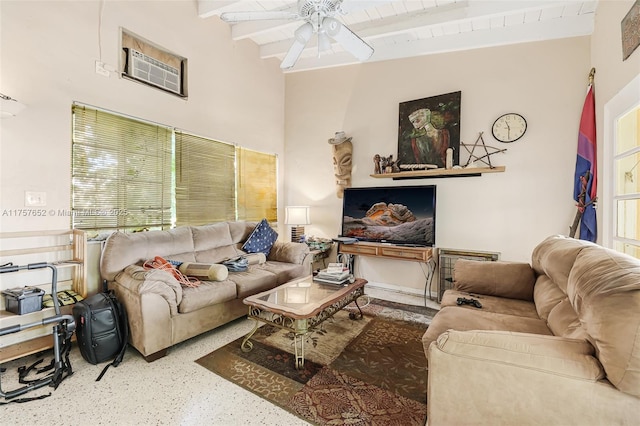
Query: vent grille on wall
[(152, 71), (447, 260)]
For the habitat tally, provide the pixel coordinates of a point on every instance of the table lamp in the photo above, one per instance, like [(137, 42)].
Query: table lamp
[(297, 217)]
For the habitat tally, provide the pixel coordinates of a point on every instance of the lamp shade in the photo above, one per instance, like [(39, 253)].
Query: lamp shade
[(297, 215)]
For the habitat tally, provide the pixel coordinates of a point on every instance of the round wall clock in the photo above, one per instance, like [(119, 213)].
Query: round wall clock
[(509, 127)]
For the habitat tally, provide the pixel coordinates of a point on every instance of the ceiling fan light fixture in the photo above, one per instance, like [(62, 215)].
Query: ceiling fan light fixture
[(347, 38), (319, 19), (301, 37), (324, 43), (304, 32)]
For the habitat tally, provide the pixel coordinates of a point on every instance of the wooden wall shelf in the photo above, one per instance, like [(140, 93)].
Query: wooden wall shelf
[(440, 173)]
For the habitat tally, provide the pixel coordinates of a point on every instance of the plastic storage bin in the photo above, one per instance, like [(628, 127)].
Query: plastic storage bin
[(23, 300)]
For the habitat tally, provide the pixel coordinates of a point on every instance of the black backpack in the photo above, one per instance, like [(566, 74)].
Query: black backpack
[(102, 329)]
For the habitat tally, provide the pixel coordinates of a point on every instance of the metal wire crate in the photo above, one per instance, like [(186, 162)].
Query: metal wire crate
[(446, 262)]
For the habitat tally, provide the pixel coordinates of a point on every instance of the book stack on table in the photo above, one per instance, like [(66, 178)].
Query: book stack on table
[(335, 273)]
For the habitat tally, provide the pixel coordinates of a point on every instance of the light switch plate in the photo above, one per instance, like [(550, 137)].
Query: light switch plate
[(102, 69), (35, 199)]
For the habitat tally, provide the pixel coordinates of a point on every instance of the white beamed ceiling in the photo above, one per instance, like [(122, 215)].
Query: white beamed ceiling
[(401, 29)]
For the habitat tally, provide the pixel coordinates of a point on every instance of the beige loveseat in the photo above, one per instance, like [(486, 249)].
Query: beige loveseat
[(557, 343), (161, 311)]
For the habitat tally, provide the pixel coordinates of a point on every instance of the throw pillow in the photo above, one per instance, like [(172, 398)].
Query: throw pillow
[(214, 272), (261, 239)]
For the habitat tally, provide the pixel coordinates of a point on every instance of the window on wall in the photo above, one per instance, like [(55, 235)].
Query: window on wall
[(205, 180), (128, 174), (626, 191), (256, 175), (121, 172)]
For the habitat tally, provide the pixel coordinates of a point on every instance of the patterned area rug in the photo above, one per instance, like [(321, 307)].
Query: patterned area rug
[(357, 372)]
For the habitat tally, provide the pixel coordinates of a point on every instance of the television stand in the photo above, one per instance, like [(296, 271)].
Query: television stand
[(390, 251)]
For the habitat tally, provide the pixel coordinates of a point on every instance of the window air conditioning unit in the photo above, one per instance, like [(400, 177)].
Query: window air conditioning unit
[(149, 70)]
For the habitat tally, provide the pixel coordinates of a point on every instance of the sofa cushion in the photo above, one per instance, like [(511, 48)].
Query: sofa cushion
[(564, 321), (261, 239), (217, 255), (124, 249), (285, 272), (555, 256), (289, 252), (604, 290), (253, 281), (561, 356), (499, 305), (240, 231), (463, 318), (213, 243), (546, 295), (211, 236), (513, 280), (207, 293)]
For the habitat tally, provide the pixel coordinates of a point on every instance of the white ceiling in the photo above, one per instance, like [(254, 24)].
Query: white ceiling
[(400, 29)]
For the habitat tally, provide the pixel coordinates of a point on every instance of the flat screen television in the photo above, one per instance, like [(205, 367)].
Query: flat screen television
[(403, 215)]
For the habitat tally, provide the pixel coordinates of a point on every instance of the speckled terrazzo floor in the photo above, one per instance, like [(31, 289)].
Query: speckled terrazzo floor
[(173, 390)]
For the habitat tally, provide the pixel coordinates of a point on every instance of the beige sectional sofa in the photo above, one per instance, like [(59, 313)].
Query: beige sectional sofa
[(555, 343), (161, 311)]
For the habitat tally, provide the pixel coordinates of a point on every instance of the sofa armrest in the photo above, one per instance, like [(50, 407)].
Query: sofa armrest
[(495, 377), (288, 252), (140, 281), (514, 280)]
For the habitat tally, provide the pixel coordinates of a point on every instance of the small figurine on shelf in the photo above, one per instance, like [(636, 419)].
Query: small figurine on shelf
[(388, 165), (376, 162), (449, 161)]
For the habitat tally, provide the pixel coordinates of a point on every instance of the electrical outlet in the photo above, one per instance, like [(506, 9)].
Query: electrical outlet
[(35, 199), (101, 69)]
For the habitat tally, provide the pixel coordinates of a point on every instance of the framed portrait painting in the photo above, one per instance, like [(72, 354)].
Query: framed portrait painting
[(427, 127)]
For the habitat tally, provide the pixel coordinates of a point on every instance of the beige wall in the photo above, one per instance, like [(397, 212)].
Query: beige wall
[(612, 75), (504, 212), (508, 212), (48, 51)]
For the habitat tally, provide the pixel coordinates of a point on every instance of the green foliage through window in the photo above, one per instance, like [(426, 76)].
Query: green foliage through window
[(130, 175)]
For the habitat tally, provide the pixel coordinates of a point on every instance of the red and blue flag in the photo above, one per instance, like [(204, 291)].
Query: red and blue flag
[(586, 174)]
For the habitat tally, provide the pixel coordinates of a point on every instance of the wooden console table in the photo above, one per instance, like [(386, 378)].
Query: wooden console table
[(389, 251), (415, 254)]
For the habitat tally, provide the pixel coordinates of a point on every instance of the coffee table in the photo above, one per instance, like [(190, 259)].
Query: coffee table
[(299, 306)]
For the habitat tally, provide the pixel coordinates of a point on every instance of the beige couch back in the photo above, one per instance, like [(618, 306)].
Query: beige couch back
[(205, 244), (587, 291)]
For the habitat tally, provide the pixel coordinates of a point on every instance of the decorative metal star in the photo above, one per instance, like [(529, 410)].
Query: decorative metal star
[(486, 158)]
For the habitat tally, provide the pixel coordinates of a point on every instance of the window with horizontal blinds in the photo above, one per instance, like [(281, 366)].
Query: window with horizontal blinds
[(205, 180), (129, 174), (121, 172), (257, 178)]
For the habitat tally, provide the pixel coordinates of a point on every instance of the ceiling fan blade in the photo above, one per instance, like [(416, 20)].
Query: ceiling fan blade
[(256, 16), (302, 36), (347, 38)]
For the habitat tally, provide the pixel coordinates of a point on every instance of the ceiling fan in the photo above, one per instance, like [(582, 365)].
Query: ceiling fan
[(319, 19)]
